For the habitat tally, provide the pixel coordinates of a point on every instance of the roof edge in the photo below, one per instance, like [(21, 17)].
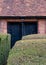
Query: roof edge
[(22, 17)]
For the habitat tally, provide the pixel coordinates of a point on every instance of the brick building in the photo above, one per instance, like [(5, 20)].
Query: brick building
[(22, 17)]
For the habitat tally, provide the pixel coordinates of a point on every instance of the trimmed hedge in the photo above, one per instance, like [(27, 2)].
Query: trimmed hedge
[(4, 47), (28, 52), (34, 36)]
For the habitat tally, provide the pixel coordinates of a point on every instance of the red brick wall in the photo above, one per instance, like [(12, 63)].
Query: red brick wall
[(41, 26), (45, 26), (0, 27), (3, 26)]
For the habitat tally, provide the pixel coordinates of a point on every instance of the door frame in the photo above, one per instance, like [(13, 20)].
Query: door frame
[(22, 20)]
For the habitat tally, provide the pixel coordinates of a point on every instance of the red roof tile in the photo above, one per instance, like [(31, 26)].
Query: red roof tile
[(22, 7)]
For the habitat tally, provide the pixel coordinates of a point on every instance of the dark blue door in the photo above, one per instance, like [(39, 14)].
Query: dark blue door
[(29, 28), (17, 30)]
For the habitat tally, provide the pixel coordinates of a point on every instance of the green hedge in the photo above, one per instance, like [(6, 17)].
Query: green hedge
[(4, 47), (34, 36), (28, 52)]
